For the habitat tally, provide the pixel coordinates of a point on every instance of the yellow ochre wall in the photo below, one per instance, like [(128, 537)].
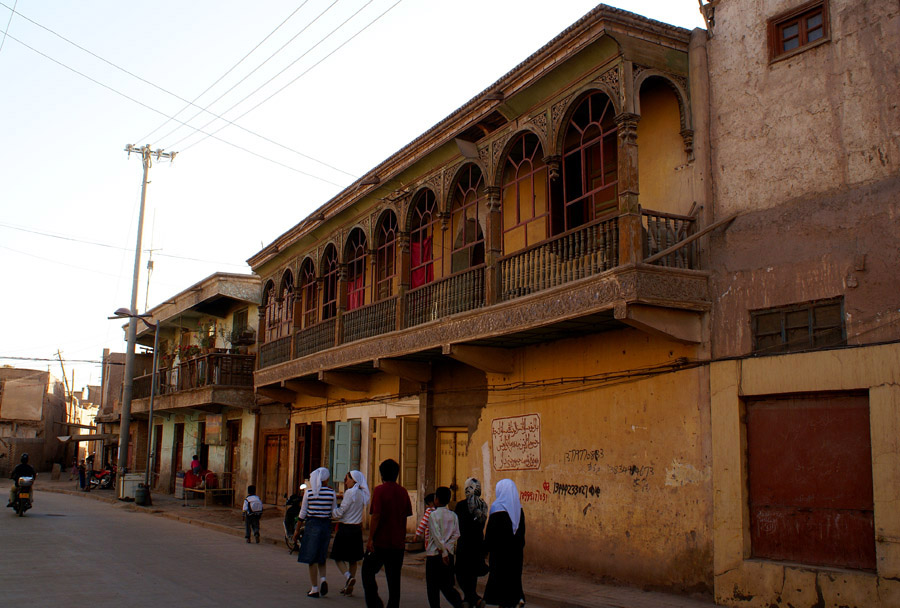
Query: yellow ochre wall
[(623, 489), (663, 171), (756, 583)]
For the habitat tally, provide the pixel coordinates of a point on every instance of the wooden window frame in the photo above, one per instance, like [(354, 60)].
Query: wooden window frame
[(356, 268), (525, 171), (468, 203), (309, 294), (797, 15), (386, 257), (785, 346), (426, 224), (330, 268)]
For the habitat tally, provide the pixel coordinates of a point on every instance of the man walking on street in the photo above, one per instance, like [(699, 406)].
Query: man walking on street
[(387, 536)]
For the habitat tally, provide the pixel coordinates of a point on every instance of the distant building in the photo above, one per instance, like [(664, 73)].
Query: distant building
[(32, 413)]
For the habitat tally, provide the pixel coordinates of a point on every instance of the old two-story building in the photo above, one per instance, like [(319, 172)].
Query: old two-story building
[(521, 293), (203, 398), (805, 386), (33, 413)]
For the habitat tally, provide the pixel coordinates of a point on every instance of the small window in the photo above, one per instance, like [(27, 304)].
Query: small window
[(807, 326), (797, 30)]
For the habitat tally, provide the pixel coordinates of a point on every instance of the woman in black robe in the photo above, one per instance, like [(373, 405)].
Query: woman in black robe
[(504, 542), (472, 513)]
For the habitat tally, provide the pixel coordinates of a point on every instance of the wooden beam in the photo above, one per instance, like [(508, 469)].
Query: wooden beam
[(689, 239), (485, 358), (414, 371), (282, 395), (313, 388), (359, 383), (681, 325)]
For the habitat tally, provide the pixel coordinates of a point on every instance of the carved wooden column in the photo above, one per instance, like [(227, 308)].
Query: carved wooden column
[(492, 246), (342, 298), (403, 276), (630, 240)]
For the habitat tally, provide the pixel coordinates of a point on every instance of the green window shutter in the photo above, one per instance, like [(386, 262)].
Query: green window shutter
[(341, 465), (355, 444)]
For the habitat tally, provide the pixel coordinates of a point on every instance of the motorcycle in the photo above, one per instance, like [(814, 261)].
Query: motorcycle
[(22, 500), (291, 517), (103, 479)]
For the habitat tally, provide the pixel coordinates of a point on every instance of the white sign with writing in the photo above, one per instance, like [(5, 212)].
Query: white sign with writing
[(516, 443)]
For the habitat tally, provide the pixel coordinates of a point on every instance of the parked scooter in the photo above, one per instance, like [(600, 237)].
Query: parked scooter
[(22, 496), (103, 479), (291, 517)]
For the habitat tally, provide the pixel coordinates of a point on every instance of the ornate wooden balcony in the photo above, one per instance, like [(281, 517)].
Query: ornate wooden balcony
[(213, 379), (568, 285)]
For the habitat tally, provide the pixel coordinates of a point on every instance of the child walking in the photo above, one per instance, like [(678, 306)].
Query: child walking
[(443, 532), (252, 512)]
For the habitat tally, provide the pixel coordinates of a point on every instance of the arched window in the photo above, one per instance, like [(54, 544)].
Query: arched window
[(590, 162), (356, 269), (309, 293), (467, 212), (270, 308), (526, 195), (386, 256), (286, 305), (329, 282), (425, 248)]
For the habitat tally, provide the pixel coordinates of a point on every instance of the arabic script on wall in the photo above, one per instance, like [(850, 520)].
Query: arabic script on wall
[(516, 443)]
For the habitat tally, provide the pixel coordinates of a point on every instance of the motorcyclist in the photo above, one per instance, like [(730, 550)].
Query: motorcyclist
[(23, 469)]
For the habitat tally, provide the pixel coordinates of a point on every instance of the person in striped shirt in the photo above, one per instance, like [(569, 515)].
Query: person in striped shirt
[(422, 528), (319, 501)]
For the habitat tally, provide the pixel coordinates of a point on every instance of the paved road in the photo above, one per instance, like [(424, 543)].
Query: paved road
[(77, 552)]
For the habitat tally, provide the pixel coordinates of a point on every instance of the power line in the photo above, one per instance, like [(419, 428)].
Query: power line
[(175, 95), (231, 69), (339, 47), (152, 109), (108, 246), (11, 13)]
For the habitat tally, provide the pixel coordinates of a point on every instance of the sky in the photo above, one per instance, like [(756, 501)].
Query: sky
[(271, 107)]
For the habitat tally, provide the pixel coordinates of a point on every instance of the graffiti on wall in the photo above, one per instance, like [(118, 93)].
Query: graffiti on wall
[(516, 443)]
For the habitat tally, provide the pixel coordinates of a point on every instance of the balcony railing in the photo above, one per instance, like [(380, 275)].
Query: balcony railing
[(315, 338), (662, 230), (457, 293), (276, 351), (579, 253), (215, 369), (372, 320)]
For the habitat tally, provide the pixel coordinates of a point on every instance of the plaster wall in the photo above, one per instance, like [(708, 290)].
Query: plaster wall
[(755, 583), (22, 397), (623, 489), (822, 120), (664, 172)]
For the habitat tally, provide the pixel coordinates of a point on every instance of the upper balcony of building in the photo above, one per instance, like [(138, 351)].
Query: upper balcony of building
[(558, 202), (205, 353)]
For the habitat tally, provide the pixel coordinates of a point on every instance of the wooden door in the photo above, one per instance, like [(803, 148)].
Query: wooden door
[(275, 460), (452, 461), (232, 452), (157, 449), (177, 451), (385, 444)]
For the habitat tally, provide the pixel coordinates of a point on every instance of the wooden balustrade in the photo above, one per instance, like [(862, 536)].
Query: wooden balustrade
[(662, 230), (314, 338), (457, 293), (274, 352), (579, 253), (214, 369), (371, 320)]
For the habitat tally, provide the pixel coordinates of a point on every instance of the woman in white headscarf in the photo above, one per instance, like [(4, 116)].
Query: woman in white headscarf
[(472, 513), (318, 504), (504, 542), (348, 542)]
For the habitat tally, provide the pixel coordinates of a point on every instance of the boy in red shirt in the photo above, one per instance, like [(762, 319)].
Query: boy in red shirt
[(387, 536)]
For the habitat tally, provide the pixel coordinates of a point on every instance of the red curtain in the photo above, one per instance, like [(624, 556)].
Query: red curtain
[(423, 273), (355, 293)]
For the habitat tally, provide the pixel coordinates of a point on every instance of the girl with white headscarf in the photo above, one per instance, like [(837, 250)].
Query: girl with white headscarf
[(504, 542), (471, 513), (318, 504), (348, 542)]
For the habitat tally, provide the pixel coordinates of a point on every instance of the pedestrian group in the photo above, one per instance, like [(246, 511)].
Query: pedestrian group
[(460, 545)]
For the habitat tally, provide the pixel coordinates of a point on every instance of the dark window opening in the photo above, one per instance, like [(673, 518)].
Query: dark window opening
[(386, 256), (425, 228), (329, 283), (468, 208), (812, 325), (356, 270), (309, 294)]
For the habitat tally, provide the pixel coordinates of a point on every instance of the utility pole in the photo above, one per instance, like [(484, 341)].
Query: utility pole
[(128, 388)]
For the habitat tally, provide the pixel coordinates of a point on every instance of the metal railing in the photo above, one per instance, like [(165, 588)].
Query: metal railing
[(214, 369), (662, 230), (276, 351), (315, 338), (457, 293), (371, 320), (582, 252)]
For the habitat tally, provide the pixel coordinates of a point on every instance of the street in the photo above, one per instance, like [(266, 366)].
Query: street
[(73, 551)]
